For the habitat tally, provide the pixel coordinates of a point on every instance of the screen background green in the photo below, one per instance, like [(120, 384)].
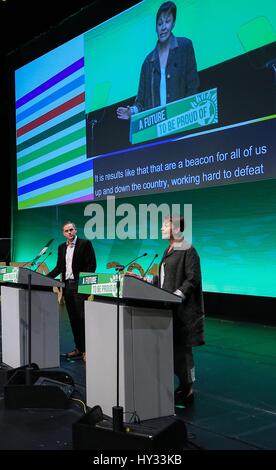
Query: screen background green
[(220, 30), (234, 231)]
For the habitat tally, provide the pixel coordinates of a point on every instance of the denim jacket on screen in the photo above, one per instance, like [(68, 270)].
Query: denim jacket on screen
[(181, 75)]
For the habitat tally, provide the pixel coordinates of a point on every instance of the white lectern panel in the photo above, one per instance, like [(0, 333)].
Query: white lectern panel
[(146, 359), (45, 327)]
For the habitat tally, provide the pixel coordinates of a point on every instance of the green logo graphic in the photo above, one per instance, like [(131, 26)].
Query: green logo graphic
[(189, 113)]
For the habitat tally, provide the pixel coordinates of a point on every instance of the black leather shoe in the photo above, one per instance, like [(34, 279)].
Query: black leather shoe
[(182, 399)]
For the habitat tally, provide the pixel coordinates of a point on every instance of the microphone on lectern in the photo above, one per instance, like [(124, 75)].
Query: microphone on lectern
[(155, 256), (121, 267), (39, 264), (41, 253)]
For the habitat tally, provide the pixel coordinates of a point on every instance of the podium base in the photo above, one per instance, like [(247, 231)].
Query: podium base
[(47, 389), (168, 433)]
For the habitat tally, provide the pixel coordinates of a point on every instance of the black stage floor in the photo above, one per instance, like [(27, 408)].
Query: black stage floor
[(235, 397)]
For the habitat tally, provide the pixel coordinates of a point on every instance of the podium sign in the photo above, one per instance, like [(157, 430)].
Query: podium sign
[(19, 275), (9, 274), (131, 287), (99, 284), (182, 115)]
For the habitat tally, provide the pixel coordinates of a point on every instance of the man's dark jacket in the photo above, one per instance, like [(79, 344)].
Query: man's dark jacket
[(84, 259)]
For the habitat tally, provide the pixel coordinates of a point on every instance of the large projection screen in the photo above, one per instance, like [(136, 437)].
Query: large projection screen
[(210, 144)]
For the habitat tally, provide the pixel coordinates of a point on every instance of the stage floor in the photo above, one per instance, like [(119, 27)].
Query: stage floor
[(235, 399)]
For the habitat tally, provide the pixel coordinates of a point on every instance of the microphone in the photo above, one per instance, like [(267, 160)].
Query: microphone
[(155, 256), (121, 267), (41, 253), (49, 254), (45, 248)]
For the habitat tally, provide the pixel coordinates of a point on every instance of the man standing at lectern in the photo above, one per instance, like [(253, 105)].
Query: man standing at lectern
[(74, 256)]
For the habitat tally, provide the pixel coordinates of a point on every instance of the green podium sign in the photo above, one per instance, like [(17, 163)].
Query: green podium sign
[(99, 284), (188, 113), (9, 274), (20, 275)]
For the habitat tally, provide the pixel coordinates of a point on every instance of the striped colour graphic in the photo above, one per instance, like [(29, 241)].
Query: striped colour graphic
[(52, 167)]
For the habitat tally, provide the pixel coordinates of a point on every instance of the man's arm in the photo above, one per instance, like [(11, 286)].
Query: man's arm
[(58, 268)]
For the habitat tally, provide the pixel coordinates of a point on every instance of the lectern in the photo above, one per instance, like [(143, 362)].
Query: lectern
[(45, 318), (146, 380), (30, 338)]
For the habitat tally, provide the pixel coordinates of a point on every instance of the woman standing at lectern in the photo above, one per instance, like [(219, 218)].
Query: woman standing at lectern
[(180, 273)]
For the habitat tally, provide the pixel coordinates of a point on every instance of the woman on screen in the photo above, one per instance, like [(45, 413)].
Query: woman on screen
[(169, 72)]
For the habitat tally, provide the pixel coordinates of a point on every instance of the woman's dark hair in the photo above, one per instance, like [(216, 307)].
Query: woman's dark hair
[(167, 7)]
